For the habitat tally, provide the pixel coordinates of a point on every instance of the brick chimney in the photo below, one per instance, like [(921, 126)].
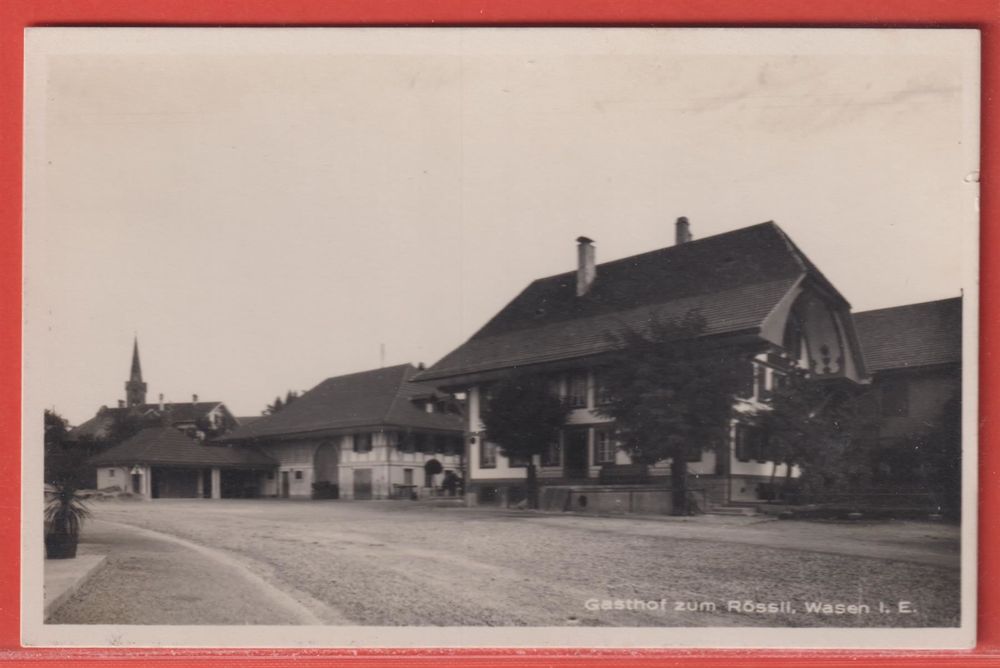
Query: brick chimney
[(586, 271), (194, 398), (161, 402), (683, 231)]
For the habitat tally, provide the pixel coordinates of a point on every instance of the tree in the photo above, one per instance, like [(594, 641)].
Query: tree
[(941, 456), (524, 418), (801, 415), (826, 429), (280, 405), (671, 394), (55, 429), (65, 462)]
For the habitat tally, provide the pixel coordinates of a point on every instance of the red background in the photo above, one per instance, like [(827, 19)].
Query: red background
[(15, 15)]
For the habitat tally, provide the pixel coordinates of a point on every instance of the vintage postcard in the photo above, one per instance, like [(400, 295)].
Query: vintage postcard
[(496, 337)]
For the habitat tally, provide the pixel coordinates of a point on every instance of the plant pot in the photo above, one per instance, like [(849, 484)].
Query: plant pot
[(60, 545)]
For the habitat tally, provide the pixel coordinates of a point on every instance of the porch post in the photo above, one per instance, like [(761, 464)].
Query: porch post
[(216, 483), (201, 484), (147, 482)]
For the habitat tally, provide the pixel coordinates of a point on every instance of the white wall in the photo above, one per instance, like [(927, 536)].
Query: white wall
[(385, 461), (588, 416), (114, 476)]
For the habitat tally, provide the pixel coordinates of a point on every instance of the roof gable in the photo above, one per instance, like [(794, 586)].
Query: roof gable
[(913, 335)]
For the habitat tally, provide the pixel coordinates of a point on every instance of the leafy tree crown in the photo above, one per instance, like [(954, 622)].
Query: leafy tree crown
[(523, 416), (670, 392)]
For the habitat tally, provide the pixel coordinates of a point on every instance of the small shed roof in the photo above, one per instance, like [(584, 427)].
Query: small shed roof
[(167, 446)]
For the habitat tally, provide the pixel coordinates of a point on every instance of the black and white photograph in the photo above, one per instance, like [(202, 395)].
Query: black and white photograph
[(500, 337)]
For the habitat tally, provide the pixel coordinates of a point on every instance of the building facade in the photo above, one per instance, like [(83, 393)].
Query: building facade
[(757, 292), (914, 353), (368, 435)]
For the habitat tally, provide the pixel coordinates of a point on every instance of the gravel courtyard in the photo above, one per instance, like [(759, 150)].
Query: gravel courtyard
[(401, 563)]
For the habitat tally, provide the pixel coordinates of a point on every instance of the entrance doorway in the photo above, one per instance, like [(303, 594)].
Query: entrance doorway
[(575, 441), (362, 484), (284, 484)]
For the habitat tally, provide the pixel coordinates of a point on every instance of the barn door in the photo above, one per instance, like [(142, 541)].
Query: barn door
[(362, 483)]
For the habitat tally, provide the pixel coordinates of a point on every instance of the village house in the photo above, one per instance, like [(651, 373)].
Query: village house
[(756, 291), (167, 462), (368, 435), (914, 354)]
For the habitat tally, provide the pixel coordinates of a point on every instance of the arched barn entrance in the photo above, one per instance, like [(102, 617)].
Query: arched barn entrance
[(326, 469)]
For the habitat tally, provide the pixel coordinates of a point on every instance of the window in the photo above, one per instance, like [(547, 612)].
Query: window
[(751, 443), (298, 475), (519, 461), (451, 445), (747, 379), (896, 399), (420, 443), (407, 444), (363, 442), (111, 473), (602, 393), (487, 455), (778, 380), (605, 446), (553, 454), (270, 475), (485, 397), (794, 339), (576, 391), (760, 381)]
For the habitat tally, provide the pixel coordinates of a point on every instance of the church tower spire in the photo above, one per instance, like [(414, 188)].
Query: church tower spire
[(135, 389)]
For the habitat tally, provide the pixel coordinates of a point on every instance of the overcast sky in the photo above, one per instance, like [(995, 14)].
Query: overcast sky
[(264, 209)]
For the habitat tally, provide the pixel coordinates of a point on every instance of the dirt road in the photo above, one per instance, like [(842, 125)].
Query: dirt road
[(393, 563)]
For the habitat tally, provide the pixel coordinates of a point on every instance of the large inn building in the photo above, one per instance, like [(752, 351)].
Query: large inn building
[(757, 292)]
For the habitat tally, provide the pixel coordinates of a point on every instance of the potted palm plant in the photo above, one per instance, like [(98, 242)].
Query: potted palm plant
[(64, 515), (65, 474)]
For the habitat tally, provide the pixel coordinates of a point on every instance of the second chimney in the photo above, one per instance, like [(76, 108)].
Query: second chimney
[(683, 231), (586, 272), (194, 398), (161, 402)]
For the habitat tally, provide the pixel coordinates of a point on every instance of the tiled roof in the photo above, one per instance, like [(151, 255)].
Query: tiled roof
[(735, 279), (248, 419), (166, 446), (910, 336), (100, 425), (381, 397)]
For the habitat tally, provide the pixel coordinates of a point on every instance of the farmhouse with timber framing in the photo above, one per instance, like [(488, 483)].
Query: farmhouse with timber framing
[(367, 435), (755, 290)]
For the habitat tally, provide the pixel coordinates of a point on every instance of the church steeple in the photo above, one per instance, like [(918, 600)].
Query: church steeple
[(135, 389)]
